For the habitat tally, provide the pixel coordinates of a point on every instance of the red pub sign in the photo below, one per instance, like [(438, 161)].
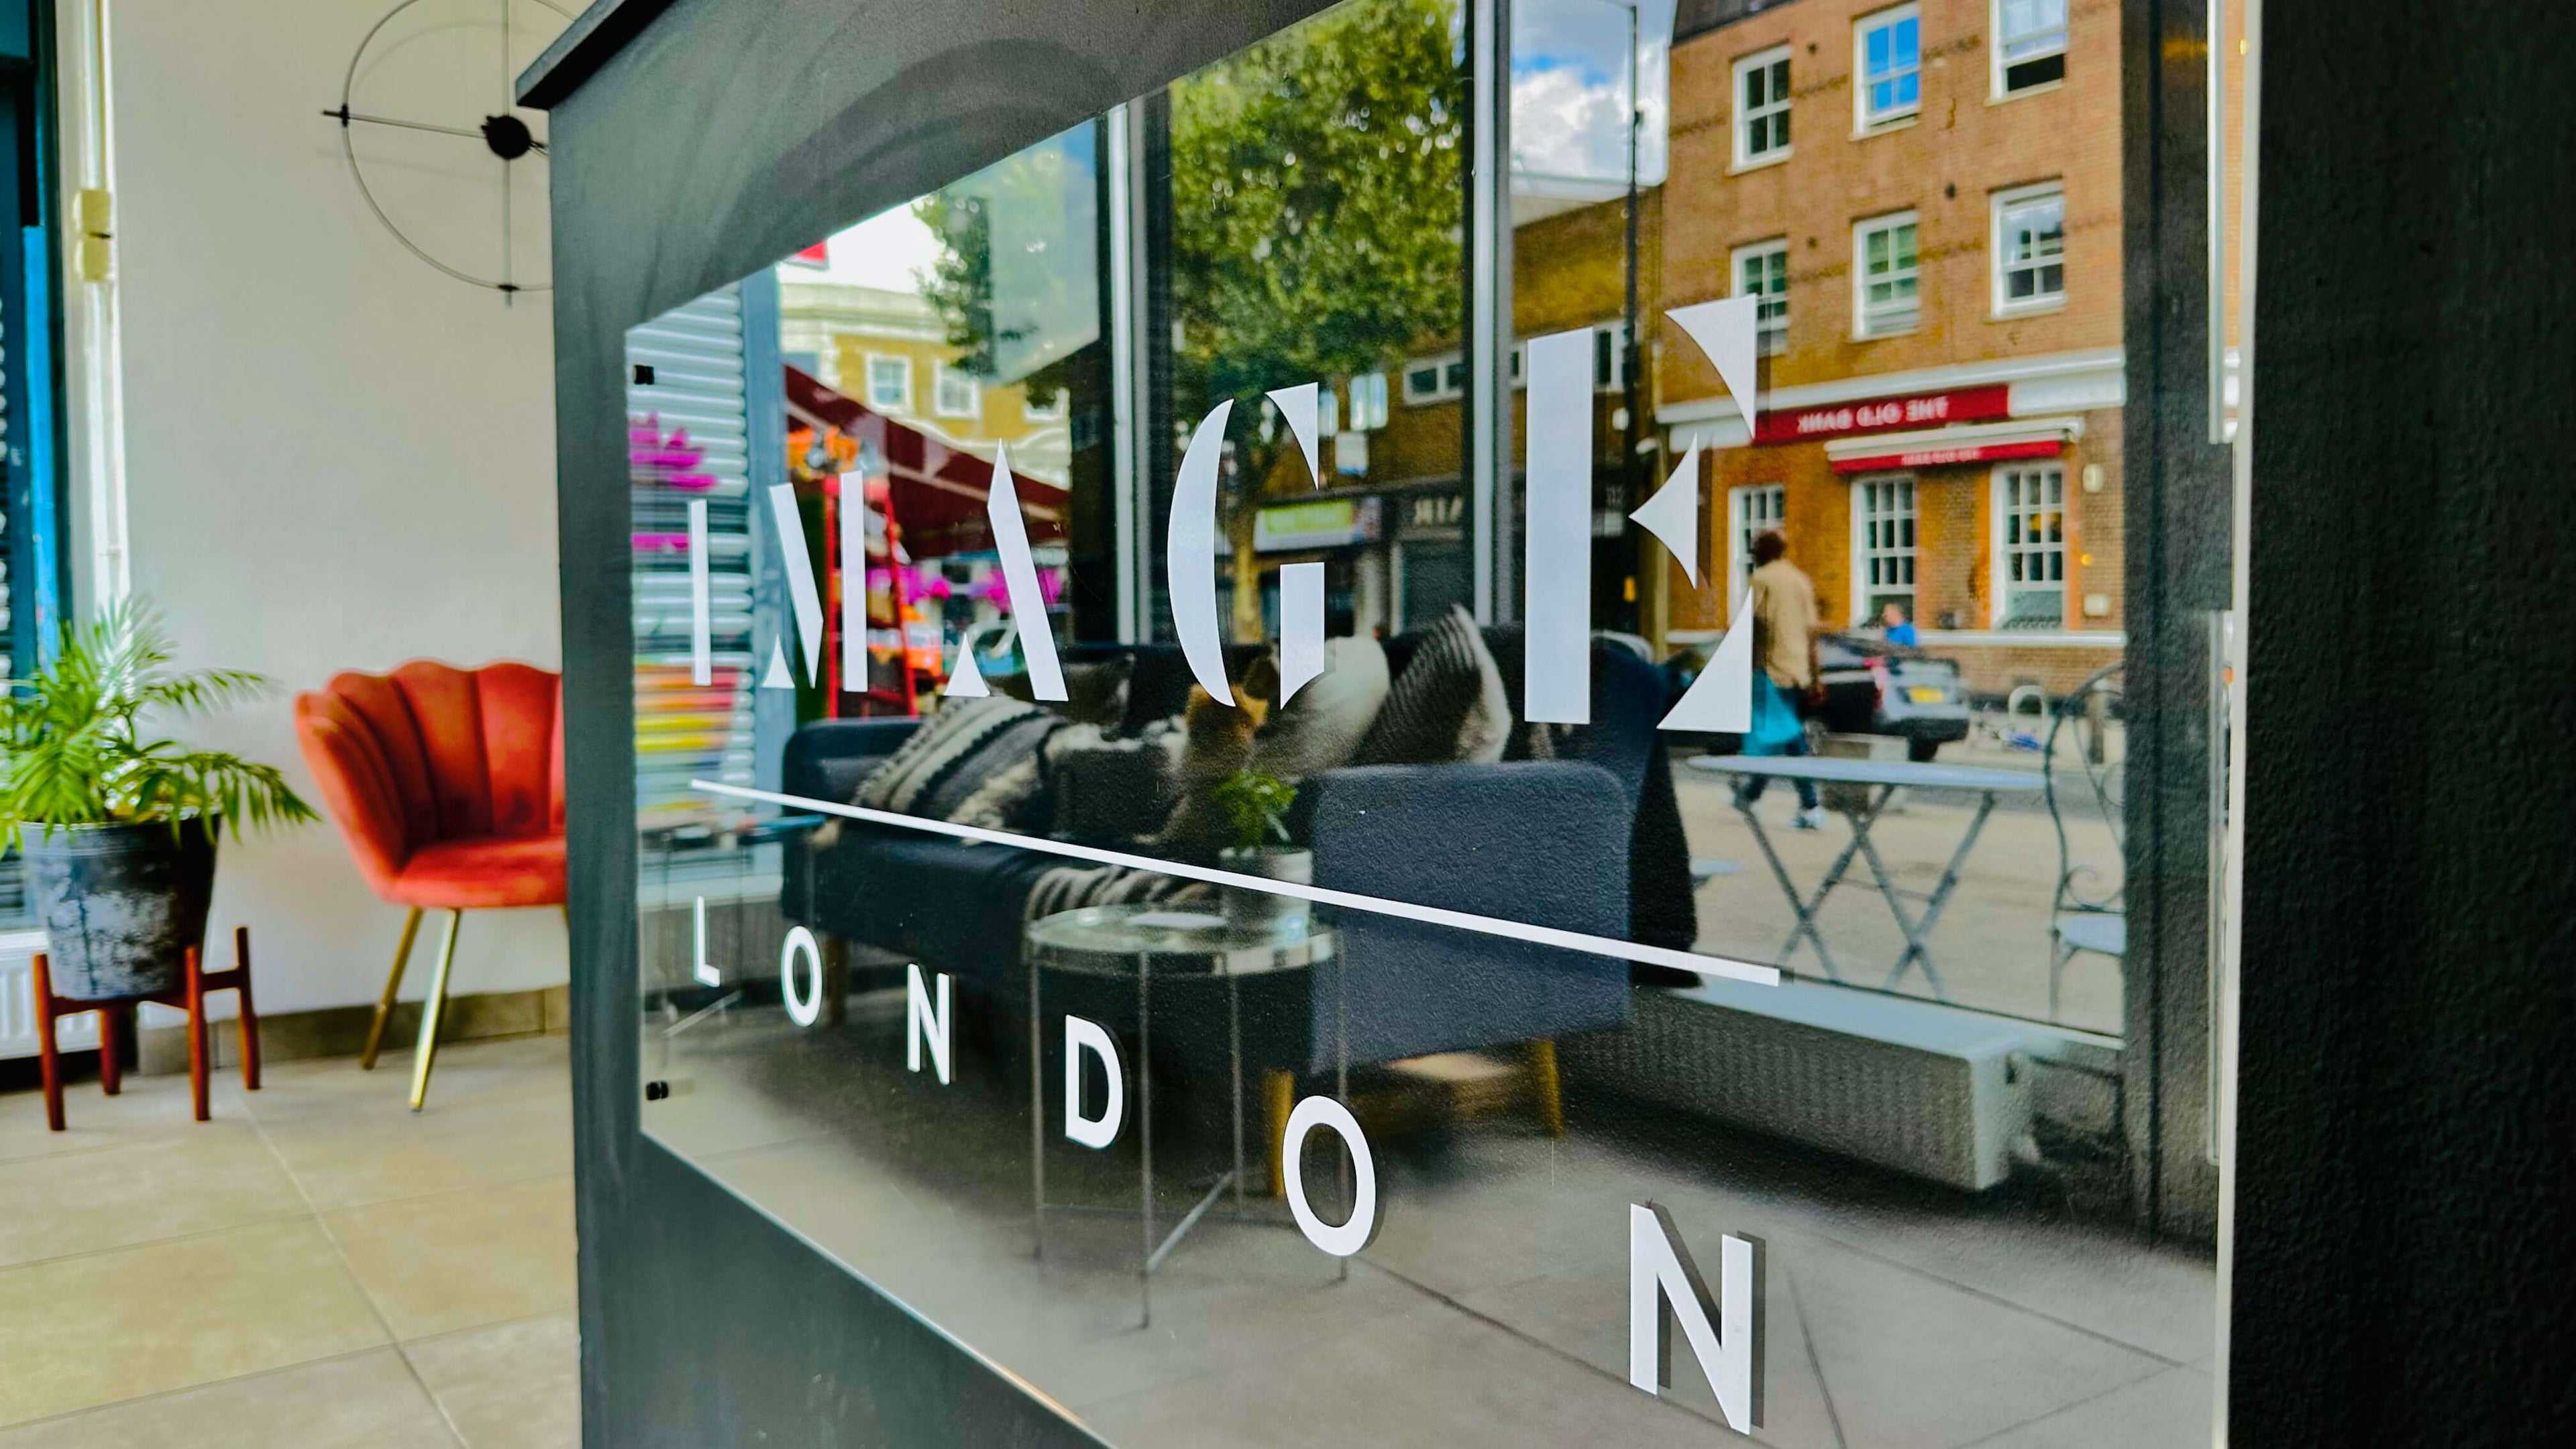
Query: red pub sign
[(1885, 414)]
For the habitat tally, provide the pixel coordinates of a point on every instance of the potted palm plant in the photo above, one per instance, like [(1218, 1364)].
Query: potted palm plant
[(118, 826), (1255, 807)]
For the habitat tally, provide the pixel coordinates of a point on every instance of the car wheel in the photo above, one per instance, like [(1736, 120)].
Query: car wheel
[(1921, 751)]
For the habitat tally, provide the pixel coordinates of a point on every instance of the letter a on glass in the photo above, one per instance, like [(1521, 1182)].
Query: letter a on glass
[(1028, 605), (1664, 1287), (1721, 699)]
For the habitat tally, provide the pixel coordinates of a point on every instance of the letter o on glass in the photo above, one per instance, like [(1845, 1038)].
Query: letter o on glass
[(1350, 1237), (807, 1009)]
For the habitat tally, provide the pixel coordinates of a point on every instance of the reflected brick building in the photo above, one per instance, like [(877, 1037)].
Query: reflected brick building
[(1927, 195)]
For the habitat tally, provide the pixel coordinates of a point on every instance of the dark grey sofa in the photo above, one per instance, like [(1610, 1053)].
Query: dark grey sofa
[(1548, 842)]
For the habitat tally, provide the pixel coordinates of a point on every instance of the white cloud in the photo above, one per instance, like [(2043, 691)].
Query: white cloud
[(892, 249), (1570, 88)]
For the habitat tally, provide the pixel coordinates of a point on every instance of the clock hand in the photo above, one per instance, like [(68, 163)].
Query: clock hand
[(344, 116)]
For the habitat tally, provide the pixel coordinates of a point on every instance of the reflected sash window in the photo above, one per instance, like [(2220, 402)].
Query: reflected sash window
[(2030, 248), (1889, 49), (2030, 44), (1762, 270), (1883, 527), (890, 384), (1885, 272), (1762, 107), (2030, 515)]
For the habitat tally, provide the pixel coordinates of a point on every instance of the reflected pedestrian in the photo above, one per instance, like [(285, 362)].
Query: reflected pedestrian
[(1786, 676), (1899, 629)]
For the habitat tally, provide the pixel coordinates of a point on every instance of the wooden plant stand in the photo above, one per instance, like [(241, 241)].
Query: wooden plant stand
[(116, 1018)]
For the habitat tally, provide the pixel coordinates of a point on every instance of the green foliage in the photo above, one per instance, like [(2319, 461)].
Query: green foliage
[(1316, 199), (73, 752), (1255, 807)]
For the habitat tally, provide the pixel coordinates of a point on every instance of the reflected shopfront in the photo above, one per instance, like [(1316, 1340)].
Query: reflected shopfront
[(1212, 811)]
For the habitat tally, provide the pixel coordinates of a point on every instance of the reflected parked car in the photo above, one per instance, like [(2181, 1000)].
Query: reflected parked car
[(1872, 687)]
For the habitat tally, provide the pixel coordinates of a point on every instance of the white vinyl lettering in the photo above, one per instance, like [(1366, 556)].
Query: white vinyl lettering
[(1189, 555), (924, 1024), (702, 628), (1020, 583), (854, 568), (798, 565), (1664, 1285), (1082, 1036), (1722, 697), (806, 1008), (699, 970), (1556, 637), (1353, 1234)]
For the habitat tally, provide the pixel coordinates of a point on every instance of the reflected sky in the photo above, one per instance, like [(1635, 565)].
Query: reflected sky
[(1570, 92)]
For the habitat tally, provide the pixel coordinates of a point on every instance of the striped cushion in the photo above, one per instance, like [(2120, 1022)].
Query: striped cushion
[(1447, 704), (975, 762)]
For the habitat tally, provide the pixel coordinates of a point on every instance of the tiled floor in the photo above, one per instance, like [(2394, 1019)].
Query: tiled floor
[(316, 1267)]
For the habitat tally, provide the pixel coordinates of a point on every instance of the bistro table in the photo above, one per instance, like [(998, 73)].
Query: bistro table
[(1170, 945), (1880, 779)]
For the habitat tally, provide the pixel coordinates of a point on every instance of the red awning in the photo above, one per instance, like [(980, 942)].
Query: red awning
[(938, 489)]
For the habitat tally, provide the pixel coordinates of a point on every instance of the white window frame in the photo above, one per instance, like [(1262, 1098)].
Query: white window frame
[(1742, 525), (2000, 61), (868, 387), (2004, 550), (1865, 119), (1448, 367), (941, 375), (2003, 264), (1328, 411), (1771, 334), (1862, 327), (1368, 402), (1746, 156), (1031, 410), (1906, 493)]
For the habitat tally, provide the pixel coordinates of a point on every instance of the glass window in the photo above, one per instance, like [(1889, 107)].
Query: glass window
[(2030, 44), (2030, 247), (1884, 276), (1751, 511), (1762, 107), (1368, 402), (1762, 270), (1883, 538), (1610, 356), (2030, 517), (890, 383), (954, 392), (1888, 50)]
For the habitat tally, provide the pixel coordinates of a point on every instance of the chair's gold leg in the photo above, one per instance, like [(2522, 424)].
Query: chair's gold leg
[(1278, 1099), (1550, 1089), (393, 983), (431, 1008), (836, 981)]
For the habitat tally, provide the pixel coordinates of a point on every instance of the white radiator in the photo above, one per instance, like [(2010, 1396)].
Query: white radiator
[(18, 1001), (1913, 1085)]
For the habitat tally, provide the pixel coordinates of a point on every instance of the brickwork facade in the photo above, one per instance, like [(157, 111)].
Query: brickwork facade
[(1967, 144)]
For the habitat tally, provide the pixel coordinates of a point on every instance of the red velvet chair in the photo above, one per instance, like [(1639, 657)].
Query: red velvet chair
[(448, 785)]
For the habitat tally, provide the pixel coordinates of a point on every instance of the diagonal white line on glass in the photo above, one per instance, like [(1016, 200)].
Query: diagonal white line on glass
[(1348, 900)]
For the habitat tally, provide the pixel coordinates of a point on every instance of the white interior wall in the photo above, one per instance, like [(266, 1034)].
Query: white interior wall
[(335, 457)]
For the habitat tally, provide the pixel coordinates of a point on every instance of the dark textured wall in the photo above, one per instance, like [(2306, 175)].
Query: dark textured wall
[(2403, 1213), (718, 136)]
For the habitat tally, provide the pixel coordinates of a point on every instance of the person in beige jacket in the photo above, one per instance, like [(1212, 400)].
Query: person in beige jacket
[(1785, 622)]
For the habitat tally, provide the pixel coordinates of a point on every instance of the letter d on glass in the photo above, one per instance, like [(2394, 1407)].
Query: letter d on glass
[(1082, 1036), (1664, 1287)]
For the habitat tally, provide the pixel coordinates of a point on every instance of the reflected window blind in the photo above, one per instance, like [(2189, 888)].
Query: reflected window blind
[(689, 439)]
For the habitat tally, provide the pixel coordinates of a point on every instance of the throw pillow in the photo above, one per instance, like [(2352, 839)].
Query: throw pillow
[(1447, 705), (1216, 741), (975, 762), (1321, 728), (1096, 693)]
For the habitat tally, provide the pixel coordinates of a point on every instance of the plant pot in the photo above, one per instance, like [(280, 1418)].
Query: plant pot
[(120, 904), (1253, 910)]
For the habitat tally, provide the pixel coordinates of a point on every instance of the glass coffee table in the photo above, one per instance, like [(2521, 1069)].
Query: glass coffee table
[(1169, 946)]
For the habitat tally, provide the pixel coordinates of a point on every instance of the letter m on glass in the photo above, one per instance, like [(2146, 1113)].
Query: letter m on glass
[(1665, 1290)]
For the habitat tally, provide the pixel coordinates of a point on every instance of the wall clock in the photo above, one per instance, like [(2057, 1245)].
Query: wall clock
[(441, 154)]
